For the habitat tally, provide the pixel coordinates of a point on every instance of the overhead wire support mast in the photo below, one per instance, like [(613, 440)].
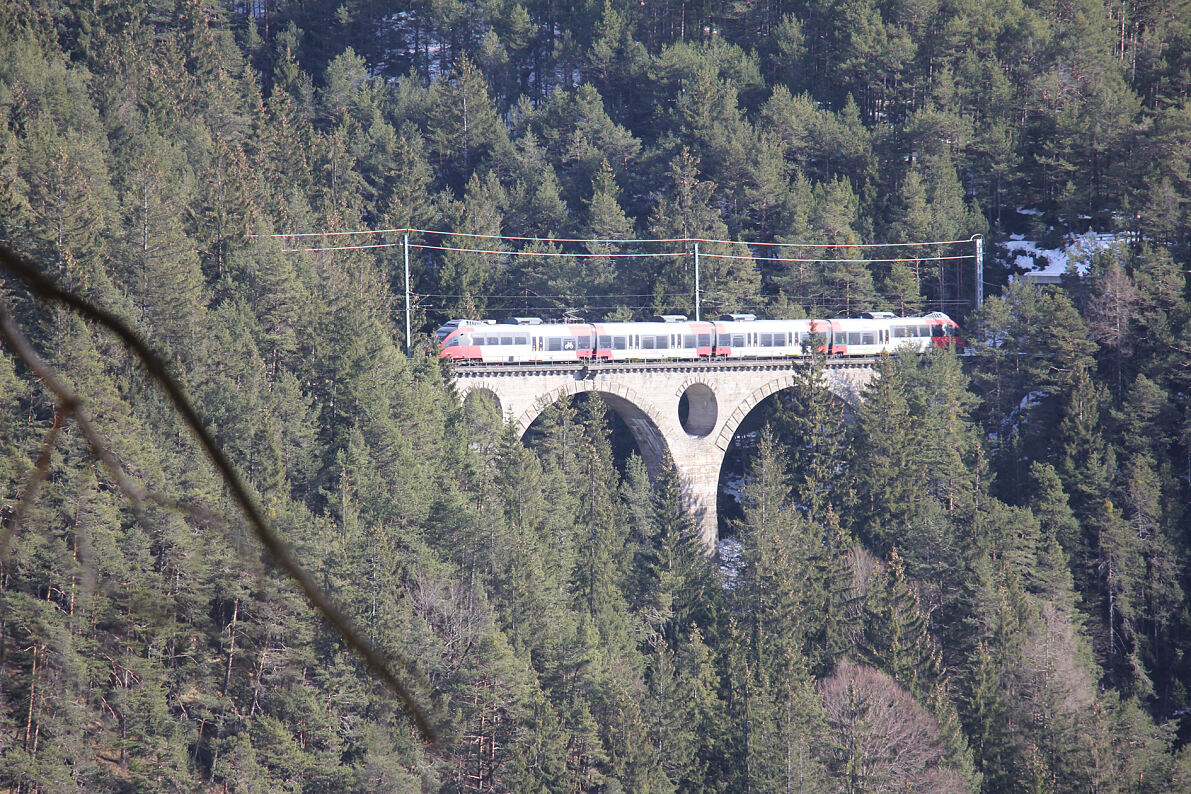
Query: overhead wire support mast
[(978, 239), (405, 248)]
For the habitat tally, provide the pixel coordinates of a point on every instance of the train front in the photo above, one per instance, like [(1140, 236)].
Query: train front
[(945, 331), (455, 341)]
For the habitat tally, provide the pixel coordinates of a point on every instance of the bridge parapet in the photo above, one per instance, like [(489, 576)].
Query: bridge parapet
[(647, 396)]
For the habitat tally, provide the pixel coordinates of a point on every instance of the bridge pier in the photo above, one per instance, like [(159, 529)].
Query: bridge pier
[(648, 396)]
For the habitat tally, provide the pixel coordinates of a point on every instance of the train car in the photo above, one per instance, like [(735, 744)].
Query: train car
[(922, 333), (667, 337), (744, 336), (673, 337), (525, 339)]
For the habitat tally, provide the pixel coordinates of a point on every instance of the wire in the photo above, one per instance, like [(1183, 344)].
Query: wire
[(584, 255), (523, 297), (610, 241), (537, 253), (341, 248), (821, 259), (483, 251)]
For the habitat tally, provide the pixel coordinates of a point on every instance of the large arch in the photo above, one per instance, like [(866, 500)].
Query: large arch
[(846, 387), (482, 391), (846, 391), (638, 413)]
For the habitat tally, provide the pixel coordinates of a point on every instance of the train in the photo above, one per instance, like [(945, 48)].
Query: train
[(667, 337)]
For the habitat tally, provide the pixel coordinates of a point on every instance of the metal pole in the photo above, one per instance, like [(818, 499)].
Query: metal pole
[(979, 240), (405, 249), (696, 282)]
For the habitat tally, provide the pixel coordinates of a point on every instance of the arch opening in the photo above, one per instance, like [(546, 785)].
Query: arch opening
[(776, 409), (698, 410), (632, 429), (481, 405)]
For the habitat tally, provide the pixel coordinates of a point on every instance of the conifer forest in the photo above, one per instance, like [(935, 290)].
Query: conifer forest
[(975, 580)]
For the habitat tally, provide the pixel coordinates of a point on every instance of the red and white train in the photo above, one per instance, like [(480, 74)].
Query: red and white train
[(672, 336)]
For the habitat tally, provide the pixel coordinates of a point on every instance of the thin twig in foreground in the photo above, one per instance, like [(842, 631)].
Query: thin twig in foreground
[(280, 554)]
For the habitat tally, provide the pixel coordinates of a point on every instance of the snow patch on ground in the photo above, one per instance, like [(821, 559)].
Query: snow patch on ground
[(733, 485), (1047, 264), (728, 550)]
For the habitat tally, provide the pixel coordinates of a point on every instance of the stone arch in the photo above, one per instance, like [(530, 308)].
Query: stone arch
[(638, 413), (485, 391), (844, 384), (746, 406)]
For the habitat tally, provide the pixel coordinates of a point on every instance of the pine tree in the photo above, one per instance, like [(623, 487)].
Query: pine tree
[(810, 419), (463, 125), (688, 213), (845, 275), (467, 277), (597, 578), (888, 491)]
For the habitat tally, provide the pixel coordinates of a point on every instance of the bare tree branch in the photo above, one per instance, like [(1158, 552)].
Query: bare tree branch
[(278, 551), (41, 470)]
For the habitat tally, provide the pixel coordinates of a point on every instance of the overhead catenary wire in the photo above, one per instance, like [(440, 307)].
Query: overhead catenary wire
[(565, 254), (833, 259), (751, 254), (627, 255), (607, 241), (340, 248)]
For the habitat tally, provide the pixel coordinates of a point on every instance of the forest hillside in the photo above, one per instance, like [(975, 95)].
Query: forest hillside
[(974, 581)]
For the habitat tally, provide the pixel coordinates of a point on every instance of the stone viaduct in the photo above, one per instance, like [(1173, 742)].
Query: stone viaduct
[(648, 395)]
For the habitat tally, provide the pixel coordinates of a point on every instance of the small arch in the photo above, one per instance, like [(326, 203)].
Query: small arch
[(698, 409)]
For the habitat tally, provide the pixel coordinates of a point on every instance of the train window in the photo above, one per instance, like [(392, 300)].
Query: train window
[(937, 330), (605, 342), (868, 338), (583, 342), (737, 340), (766, 340), (663, 343), (554, 343), (619, 343), (647, 342), (900, 332), (452, 342), (688, 340), (704, 340)]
